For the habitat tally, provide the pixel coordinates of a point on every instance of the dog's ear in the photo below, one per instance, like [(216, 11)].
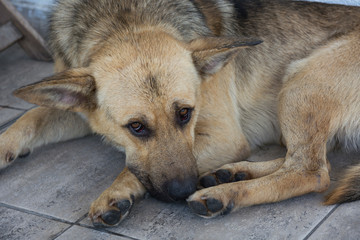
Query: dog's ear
[(212, 54), (70, 90)]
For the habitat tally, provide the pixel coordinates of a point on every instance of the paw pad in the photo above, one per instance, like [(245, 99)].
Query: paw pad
[(241, 176), (111, 217), (114, 216), (214, 205), (208, 181), (222, 176), (123, 206), (210, 207), (198, 208)]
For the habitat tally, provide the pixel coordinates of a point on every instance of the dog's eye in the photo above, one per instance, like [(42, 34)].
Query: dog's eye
[(184, 115), (138, 129)]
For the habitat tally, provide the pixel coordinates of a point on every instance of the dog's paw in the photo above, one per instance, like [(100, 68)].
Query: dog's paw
[(210, 202), (109, 211), (9, 151), (226, 174)]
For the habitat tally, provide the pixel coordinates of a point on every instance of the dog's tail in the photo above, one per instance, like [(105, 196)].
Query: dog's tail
[(348, 188)]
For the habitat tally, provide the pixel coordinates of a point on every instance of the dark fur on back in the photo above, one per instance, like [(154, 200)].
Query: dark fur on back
[(75, 21)]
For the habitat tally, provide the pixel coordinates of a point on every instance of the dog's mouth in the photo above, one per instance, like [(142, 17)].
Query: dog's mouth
[(173, 190), (176, 189), (160, 195)]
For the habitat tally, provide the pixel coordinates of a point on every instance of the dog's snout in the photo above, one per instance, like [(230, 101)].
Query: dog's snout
[(181, 189)]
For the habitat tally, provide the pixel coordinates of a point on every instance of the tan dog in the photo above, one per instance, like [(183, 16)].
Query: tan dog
[(186, 87)]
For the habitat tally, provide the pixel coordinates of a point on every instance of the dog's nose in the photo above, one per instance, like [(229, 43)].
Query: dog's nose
[(181, 189)]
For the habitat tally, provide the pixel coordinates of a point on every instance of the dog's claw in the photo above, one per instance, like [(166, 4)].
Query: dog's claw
[(9, 157)]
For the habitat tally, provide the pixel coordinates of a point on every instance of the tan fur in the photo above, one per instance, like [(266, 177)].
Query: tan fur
[(247, 78)]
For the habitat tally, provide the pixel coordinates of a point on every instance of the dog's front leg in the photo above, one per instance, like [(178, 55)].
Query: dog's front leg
[(292, 179), (37, 127), (239, 171), (114, 204), (307, 119)]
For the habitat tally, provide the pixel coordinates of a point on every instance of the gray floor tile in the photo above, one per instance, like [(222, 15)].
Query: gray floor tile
[(17, 70), (61, 180), (81, 233), (18, 225), (8, 114), (291, 219), (12, 54), (343, 223), (340, 161)]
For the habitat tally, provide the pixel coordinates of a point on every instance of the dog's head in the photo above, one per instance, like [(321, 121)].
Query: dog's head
[(142, 93)]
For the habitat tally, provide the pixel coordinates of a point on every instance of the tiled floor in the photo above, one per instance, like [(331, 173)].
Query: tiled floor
[(47, 195)]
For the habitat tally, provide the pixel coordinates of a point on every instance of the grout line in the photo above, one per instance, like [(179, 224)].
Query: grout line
[(80, 219), (105, 231), (77, 223), (35, 213), (321, 222), (10, 122), (61, 232), (7, 124), (14, 108)]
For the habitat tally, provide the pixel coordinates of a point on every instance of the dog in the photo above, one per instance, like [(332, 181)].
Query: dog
[(190, 87)]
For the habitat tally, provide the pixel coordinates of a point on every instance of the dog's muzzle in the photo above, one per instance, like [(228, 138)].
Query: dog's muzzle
[(180, 189), (175, 190)]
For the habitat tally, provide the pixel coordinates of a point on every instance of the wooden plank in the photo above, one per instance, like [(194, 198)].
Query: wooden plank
[(4, 17), (33, 44), (8, 35)]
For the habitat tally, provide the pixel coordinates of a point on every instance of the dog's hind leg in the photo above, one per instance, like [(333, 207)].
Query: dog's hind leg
[(304, 169), (320, 98), (38, 127), (115, 203)]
